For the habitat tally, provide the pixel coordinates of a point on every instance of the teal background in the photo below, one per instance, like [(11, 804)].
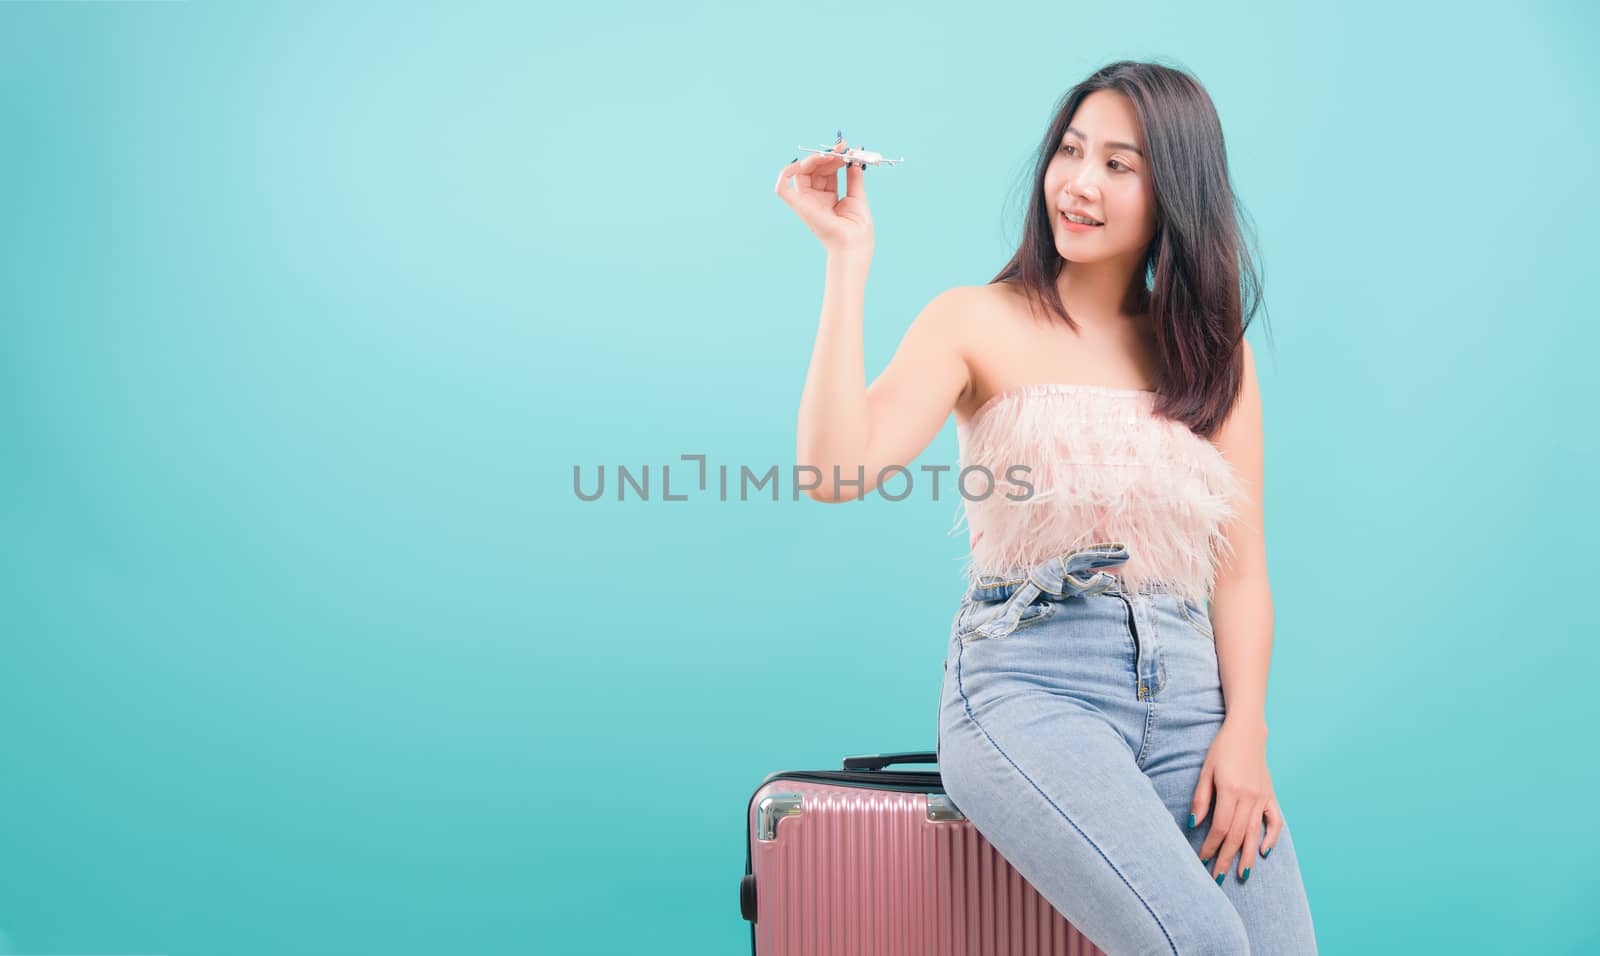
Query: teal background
[(310, 310)]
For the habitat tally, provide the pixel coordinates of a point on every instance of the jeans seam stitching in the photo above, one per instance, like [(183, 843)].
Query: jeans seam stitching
[(967, 705), (1183, 608), (1161, 665), (971, 637), (1005, 611), (1149, 731)]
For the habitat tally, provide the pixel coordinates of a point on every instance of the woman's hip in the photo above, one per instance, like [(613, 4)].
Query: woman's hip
[(1136, 648)]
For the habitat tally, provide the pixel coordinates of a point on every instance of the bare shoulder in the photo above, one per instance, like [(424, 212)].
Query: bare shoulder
[(999, 297), (971, 308), (952, 314), (957, 304), (983, 310)]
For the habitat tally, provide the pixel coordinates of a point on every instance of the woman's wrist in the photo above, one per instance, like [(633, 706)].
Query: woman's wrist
[(1250, 720), (858, 255)]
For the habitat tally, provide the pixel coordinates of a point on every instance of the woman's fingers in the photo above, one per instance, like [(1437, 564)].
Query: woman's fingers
[(828, 162), (809, 166), (1200, 803), (822, 162), (823, 169), (1274, 827), (816, 164), (838, 222), (1222, 840), (1252, 839), (1238, 825), (1236, 829), (1221, 815), (854, 183)]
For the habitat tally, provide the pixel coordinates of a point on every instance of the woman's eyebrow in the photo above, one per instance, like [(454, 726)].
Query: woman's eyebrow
[(1073, 131)]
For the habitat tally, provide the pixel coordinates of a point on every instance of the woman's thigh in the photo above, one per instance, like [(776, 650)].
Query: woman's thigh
[(1039, 736), (1186, 712)]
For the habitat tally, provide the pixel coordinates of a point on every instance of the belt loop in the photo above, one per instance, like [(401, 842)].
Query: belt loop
[(1007, 620)]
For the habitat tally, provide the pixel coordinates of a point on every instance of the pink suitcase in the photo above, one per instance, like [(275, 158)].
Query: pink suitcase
[(865, 861)]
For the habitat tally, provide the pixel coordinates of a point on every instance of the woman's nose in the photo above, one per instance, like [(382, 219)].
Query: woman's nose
[(1080, 189), (1082, 186)]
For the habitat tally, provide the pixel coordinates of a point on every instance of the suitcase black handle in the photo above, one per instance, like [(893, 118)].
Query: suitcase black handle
[(879, 761)]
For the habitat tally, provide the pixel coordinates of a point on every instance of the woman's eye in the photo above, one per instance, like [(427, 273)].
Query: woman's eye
[(1114, 162)]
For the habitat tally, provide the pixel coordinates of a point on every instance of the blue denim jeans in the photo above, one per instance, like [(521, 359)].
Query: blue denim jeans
[(1074, 719)]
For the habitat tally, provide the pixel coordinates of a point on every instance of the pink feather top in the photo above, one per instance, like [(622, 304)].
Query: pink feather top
[(1102, 468)]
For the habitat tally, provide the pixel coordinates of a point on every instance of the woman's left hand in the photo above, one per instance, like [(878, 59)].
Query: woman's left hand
[(1235, 773)]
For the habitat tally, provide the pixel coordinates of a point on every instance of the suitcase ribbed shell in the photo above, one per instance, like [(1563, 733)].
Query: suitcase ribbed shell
[(854, 870)]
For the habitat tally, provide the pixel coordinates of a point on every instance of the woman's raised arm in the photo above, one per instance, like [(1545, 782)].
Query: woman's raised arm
[(848, 431), (851, 431)]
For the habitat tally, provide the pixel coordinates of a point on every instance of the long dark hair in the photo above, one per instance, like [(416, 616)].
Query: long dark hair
[(1198, 270)]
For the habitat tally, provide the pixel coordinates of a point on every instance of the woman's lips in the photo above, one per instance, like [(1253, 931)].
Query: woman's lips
[(1076, 226)]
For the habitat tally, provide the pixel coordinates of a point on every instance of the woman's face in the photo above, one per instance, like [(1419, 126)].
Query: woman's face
[(1099, 168)]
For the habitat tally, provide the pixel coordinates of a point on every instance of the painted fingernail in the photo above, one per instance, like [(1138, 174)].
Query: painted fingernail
[(1208, 862), (1246, 875), (1191, 821), (1265, 852), (1219, 878)]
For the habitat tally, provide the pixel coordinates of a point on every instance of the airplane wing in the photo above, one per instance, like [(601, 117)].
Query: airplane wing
[(880, 162)]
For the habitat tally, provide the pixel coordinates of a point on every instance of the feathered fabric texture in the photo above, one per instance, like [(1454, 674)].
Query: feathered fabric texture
[(1103, 468)]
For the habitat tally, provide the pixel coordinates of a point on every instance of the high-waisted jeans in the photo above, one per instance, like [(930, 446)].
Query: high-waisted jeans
[(1074, 720)]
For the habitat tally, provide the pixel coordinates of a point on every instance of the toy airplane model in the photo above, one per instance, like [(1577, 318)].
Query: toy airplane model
[(855, 155)]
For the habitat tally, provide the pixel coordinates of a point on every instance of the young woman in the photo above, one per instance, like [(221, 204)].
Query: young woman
[(1102, 721)]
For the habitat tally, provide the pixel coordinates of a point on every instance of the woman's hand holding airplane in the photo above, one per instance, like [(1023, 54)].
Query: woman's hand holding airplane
[(843, 224)]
